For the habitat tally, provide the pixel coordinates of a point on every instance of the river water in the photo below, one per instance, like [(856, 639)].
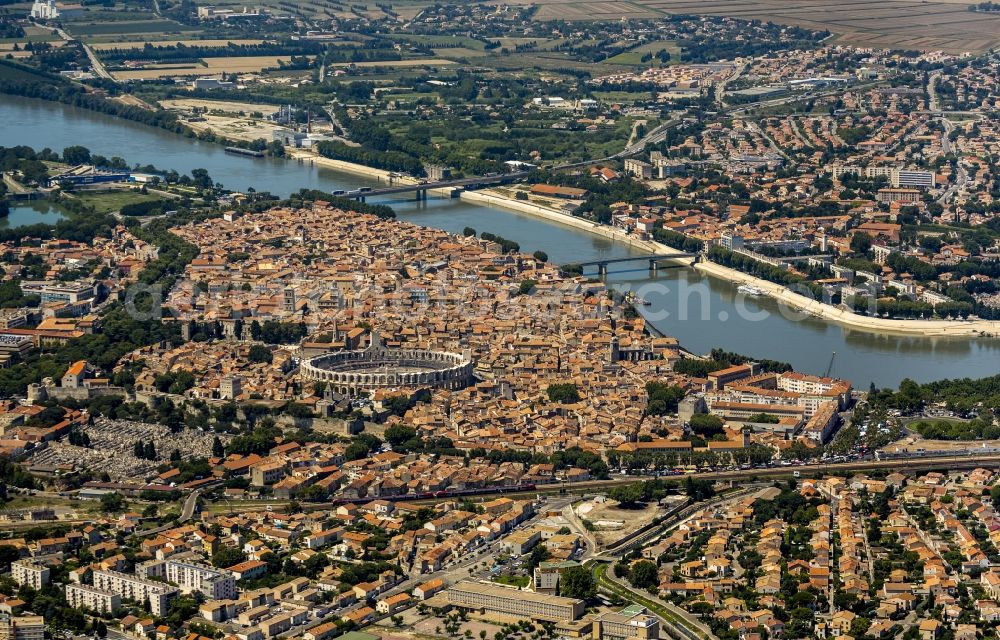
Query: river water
[(25, 213), (701, 312)]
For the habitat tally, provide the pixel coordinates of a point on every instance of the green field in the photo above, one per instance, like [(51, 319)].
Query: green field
[(454, 53), (109, 201), (159, 27), (41, 37), (634, 56), (437, 41)]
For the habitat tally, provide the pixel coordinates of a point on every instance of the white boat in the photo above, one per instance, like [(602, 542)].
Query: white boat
[(749, 290)]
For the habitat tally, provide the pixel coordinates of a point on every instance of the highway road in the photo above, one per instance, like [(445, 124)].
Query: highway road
[(95, 62), (932, 98), (187, 512)]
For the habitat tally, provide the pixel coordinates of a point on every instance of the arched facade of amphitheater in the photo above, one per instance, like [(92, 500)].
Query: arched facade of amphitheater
[(379, 367)]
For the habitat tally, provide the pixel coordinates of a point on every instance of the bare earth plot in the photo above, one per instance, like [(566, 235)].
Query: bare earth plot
[(218, 105), (945, 25), (611, 522), (612, 10), (208, 67)]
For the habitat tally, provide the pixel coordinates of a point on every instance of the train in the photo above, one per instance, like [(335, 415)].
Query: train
[(434, 495)]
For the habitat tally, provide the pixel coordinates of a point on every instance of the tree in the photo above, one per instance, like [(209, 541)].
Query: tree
[(706, 425), (859, 626), (643, 574), (218, 450), (259, 353), (698, 489), (628, 495), (662, 398), (861, 242), (563, 393), (397, 434), (76, 155), (577, 582), (112, 503), (8, 554), (228, 556), (910, 397), (537, 556)]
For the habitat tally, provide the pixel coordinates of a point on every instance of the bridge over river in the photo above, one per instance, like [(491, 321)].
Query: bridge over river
[(654, 260), (421, 188)]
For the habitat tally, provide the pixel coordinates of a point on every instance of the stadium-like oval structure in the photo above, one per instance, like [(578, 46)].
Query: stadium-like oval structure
[(380, 367)]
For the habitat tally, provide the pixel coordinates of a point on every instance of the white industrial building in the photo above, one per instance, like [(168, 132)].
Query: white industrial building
[(44, 10)]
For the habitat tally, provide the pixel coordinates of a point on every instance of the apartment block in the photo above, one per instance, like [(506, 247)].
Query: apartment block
[(135, 588), (216, 584), (22, 628), (81, 596), (524, 604), (545, 578), (29, 572), (631, 623)]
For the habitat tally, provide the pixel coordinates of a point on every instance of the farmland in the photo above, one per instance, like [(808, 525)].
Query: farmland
[(155, 27), (900, 24), (208, 66), (634, 56), (104, 46)]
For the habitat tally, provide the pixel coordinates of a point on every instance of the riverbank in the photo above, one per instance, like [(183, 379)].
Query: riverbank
[(791, 299), (817, 309), (313, 158), (491, 198)]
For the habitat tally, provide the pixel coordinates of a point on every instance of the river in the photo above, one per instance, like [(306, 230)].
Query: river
[(26, 213), (716, 316)]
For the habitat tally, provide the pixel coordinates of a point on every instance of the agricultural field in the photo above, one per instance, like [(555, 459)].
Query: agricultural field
[(416, 62), (153, 27), (454, 53), (439, 41), (139, 44), (634, 56), (208, 67), (945, 25), (540, 44), (613, 10), (109, 201), (33, 34)]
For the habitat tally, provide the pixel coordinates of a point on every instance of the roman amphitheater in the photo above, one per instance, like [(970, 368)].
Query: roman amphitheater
[(381, 367)]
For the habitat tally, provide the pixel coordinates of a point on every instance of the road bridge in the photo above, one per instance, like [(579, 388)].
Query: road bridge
[(421, 188), (653, 258)]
